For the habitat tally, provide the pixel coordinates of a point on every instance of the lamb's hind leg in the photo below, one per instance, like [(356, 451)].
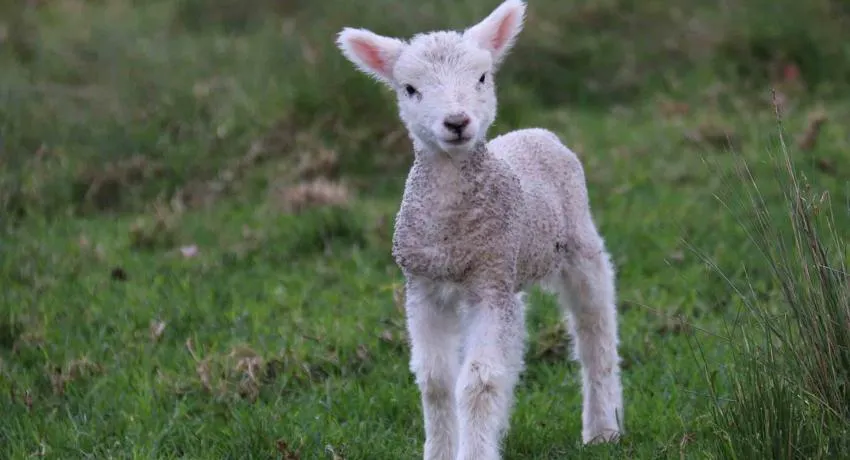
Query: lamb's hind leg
[(588, 296), (434, 329)]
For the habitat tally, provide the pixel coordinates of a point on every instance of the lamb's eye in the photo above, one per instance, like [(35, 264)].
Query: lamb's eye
[(410, 90), (483, 77)]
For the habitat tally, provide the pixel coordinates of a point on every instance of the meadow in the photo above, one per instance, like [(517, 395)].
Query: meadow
[(196, 210)]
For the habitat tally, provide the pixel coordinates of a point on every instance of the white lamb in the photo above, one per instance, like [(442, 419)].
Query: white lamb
[(480, 222)]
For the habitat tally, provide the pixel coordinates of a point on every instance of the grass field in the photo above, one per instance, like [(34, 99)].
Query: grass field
[(197, 197)]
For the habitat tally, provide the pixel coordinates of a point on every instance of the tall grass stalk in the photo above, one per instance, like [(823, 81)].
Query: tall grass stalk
[(790, 375)]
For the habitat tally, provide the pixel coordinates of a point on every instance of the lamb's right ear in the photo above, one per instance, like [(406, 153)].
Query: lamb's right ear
[(498, 31), (372, 53)]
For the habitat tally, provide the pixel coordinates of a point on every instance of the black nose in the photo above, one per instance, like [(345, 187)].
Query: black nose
[(456, 122)]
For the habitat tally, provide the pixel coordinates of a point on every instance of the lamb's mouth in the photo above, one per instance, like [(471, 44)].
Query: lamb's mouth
[(458, 140)]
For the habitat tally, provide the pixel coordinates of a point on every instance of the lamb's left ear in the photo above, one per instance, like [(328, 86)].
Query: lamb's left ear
[(373, 54), (498, 31)]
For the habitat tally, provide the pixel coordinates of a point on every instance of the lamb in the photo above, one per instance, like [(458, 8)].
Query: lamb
[(481, 222)]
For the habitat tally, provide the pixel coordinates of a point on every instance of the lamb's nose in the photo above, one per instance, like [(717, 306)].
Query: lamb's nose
[(456, 122)]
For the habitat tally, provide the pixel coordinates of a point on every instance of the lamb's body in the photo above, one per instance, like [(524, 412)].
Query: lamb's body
[(472, 234), (506, 211), (479, 223)]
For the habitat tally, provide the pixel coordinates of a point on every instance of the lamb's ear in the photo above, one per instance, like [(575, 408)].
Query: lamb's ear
[(373, 54), (498, 31)]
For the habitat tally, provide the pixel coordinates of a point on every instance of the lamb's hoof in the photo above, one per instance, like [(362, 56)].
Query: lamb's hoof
[(605, 435)]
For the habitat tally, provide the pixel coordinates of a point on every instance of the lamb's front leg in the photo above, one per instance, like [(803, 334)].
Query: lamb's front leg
[(434, 329), (495, 346)]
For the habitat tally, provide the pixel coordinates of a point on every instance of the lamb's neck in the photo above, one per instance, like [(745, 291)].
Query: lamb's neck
[(443, 183), (438, 160)]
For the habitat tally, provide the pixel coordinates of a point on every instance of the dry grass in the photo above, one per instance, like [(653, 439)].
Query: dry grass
[(305, 195)]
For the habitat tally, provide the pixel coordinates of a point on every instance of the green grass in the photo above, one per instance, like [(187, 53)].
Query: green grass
[(131, 130), (791, 398)]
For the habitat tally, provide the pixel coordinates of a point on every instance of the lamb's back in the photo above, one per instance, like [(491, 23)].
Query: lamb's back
[(541, 160), (553, 181)]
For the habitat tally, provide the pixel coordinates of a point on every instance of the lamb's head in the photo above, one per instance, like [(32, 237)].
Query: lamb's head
[(444, 79)]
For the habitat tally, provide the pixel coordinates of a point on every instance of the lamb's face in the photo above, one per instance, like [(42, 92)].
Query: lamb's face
[(444, 80), (446, 95)]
